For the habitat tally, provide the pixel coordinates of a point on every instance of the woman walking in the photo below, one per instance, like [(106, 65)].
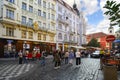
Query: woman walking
[(78, 57)]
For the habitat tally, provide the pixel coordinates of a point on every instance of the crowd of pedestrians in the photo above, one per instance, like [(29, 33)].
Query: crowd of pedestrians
[(59, 57)]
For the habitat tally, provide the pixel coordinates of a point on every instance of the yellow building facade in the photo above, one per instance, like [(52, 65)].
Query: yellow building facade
[(30, 22)]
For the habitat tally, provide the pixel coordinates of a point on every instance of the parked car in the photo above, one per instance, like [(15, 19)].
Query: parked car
[(95, 54)]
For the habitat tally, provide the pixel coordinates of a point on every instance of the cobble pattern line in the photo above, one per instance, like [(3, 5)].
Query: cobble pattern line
[(8, 71)]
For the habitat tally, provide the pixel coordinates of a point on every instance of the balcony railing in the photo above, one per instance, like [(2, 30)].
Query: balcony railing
[(10, 4), (64, 21)]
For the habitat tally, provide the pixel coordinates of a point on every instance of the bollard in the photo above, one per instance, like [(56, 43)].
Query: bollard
[(110, 72)]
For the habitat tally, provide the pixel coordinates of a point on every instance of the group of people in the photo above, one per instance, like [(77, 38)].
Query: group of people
[(68, 57), (58, 57), (25, 55)]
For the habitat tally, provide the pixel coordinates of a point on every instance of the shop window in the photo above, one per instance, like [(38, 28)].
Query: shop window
[(10, 31), (30, 35), (39, 36), (23, 34)]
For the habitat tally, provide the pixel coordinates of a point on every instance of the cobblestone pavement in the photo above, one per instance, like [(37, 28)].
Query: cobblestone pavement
[(88, 70), (10, 68)]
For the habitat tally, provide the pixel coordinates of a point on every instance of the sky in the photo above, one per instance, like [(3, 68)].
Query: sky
[(93, 11)]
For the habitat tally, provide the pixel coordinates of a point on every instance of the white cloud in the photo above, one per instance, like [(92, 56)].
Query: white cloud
[(91, 7)]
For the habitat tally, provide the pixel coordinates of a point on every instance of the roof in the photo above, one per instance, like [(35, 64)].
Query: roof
[(96, 35), (67, 6)]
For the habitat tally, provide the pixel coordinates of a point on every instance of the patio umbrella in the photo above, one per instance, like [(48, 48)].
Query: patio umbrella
[(116, 41)]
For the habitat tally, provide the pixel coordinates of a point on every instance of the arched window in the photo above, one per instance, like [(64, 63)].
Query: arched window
[(59, 36)]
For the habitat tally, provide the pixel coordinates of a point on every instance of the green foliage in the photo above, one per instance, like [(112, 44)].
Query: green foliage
[(93, 43), (113, 11)]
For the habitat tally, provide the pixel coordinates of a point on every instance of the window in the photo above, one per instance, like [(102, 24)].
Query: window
[(39, 23), (51, 38), (44, 25), (30, 35), (44, 4), (23, 20), (59, 9), (10, 14), (53, 17), (39, 2), (9, 31), (53, 6), (30, 9), (44, 37), (24, 6), (49, 5), (39, 36), (59, 36), (23, 34), (60, 26), (65, 37), (44, 14), (39, 12), (49, 26), (30, 22), (48, 15), (12, 1)]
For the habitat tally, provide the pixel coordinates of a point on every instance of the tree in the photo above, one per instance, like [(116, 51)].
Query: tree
[(94, 43), (113, 11)]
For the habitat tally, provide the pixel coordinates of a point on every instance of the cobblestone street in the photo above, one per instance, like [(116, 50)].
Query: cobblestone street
[(88, 70)]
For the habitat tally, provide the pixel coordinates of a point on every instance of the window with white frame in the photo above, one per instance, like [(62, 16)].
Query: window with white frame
[(53, 6), (48, 15), (59, 9), (24, 34), (39, 2), (65, 37), (39, 23), (44, 14), (30, 8), (60, 26), (9, 31), (44, 25), (30, 35), (11, 1), (49, 5), (23, 20), (39, 12), (60, 36), (9, 14), (44, 4), (53, 17), (24, 6), (30, 22)]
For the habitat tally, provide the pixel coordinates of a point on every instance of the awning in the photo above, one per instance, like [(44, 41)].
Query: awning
[(78, 47), (117, 41)]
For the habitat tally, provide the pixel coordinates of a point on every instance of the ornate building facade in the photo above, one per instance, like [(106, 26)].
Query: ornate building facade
[(30, 22), (69, 26)]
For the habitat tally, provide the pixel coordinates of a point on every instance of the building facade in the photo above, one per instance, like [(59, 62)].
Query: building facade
[(27, 24), (68, 25)]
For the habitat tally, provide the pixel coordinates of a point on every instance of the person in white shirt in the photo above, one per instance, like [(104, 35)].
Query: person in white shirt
[(78, 57)]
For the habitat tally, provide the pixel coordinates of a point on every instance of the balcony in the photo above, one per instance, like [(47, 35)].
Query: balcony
[(71, 32), (64, 21), (10, 5)]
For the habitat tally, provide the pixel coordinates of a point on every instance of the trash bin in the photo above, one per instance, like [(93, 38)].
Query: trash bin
[(110, 72)]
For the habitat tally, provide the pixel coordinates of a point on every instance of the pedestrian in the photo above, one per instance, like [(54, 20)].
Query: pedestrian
[(43, 58), (66, 57), (20, 54), (56, 59), (78, 57), (71, 57)]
